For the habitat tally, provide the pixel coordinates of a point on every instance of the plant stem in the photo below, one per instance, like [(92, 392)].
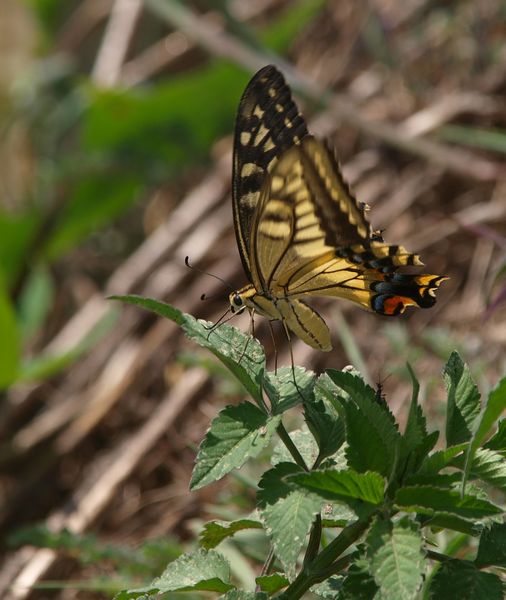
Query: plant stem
[(291, 447), (315, 539), (318, 569)]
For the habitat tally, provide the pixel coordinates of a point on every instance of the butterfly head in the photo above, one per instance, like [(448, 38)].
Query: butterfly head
[(237, 303)]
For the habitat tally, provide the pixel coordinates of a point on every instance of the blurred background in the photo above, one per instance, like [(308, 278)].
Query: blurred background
[(116, 119)]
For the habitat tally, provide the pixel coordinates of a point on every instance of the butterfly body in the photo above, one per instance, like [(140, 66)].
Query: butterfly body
[(300, 231)]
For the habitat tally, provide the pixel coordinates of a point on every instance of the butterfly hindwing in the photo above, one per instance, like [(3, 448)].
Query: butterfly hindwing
[(303, 220)]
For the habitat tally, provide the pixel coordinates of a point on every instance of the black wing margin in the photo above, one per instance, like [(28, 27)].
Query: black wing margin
[(268, 123)]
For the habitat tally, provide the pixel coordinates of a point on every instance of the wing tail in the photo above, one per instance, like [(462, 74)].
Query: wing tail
[(398, 290)]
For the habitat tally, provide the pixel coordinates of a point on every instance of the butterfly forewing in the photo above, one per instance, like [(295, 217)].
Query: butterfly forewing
[(268, 123)]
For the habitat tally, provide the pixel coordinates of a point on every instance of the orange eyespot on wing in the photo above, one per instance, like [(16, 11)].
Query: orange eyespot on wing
[(398, 290)]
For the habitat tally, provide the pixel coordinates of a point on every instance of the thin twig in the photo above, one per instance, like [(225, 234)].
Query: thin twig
[(114, 47)]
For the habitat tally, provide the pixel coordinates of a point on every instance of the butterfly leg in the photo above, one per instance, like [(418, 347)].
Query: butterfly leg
[(271, 329), (289, 339), (251, 332)]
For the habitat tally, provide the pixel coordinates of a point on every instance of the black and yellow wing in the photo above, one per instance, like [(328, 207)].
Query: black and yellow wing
[(300, 230), (268, 123)]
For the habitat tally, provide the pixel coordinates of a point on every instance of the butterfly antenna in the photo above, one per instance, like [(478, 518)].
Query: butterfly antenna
[(187, 263), (214, 297)]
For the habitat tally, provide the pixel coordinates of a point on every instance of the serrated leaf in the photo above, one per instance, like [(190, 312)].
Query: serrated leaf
[(440, 459), (430, 500), (416, 443), (215, 532), (445, 521), (203, 570), (498, 440), (354, 489), (240, 353), (441, 480), (461, 580), (282, 390), (242, 595), (358, 583), (272, 583), (492, 548), (371, 433), (394, 551), (496, 405), (337, 514), (330, 588), (463, 405), (288, 513), (236, 434), (487, 465), (322, 418)]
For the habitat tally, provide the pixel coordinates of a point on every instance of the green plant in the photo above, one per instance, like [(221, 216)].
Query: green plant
[(353, 508)]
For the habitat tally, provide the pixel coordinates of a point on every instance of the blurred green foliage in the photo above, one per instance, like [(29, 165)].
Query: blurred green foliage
[(95, 152)]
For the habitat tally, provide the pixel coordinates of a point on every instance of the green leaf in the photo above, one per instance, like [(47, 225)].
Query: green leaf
[(236, 434), (322, 418), (16, 236), (347, 486), (463, 401), (371, 432), (215, 532), (288, 513), (445, 480), (272, 583), (95, 201), (416, 426), (330, 589), (430, 500), (358, 583), (492, 548), (305, 443), (282, 391), (396, 561), (476, 137), (203, 570), (498, 440), (445, 521), (461, 580), (496, 405), (440, 459), (242, 595), (10, 349), (240, 353), (35, 301), (487, 465), (45, 365)]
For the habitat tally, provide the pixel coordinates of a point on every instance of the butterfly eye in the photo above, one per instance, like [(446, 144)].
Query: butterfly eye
[(237, 302)]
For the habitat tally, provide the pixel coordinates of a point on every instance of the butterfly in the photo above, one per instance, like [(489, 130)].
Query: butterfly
[(299, 229)]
